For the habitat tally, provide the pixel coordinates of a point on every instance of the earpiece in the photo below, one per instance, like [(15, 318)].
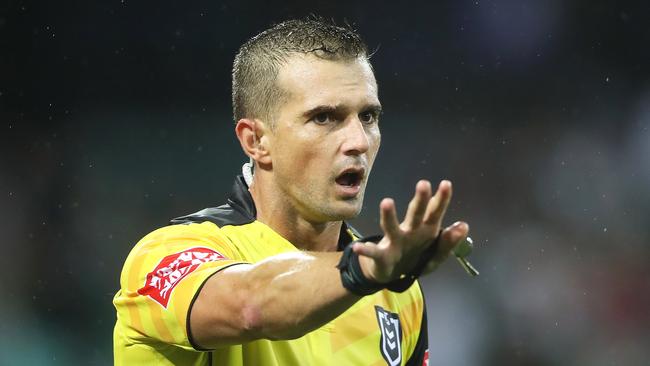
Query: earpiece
[(248, 168)]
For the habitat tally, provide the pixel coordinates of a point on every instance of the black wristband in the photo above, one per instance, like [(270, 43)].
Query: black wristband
[(353, 279), (351, 274)]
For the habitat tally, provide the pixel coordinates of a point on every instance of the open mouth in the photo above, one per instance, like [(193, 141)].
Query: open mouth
[(350, 178)]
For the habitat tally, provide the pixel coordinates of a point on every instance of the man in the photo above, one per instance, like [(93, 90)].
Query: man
[(265, 279)]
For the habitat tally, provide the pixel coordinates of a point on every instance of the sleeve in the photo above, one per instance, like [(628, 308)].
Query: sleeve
[(161, 277), (420, 355)]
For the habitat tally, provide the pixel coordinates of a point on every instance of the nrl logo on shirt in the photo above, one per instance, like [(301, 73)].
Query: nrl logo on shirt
[(172, 269), (391, 336)]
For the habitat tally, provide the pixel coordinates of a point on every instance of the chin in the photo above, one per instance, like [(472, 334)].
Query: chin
[(350, 210), (336, 208)]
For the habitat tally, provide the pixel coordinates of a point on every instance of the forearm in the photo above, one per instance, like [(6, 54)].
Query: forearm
[(295, 293), (282, 297)]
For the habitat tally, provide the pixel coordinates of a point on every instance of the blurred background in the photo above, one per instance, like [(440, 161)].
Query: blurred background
[(115, 117)]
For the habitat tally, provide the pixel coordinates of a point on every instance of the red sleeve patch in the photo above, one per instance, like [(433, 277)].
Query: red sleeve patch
[(425, 360), (172, 269)]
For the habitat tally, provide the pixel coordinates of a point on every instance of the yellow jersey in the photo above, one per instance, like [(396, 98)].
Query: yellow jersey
[(166, 269)]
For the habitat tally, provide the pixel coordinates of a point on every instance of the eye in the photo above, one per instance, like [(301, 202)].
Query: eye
[(368, 117), (322, 118)]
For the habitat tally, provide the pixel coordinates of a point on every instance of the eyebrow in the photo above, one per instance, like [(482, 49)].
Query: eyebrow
[(338, 108)]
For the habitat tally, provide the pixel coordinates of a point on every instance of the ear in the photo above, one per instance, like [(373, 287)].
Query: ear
[(252, 135)]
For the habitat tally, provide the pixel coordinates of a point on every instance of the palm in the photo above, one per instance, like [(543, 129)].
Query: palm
[(403, 243)]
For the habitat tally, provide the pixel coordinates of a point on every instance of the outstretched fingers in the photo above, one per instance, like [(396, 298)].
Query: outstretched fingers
[(418, 205), (388, 218), (438, 204)]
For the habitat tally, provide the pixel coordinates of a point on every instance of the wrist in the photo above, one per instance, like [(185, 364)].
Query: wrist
[(353, 277), (358, 273), (367, 264)]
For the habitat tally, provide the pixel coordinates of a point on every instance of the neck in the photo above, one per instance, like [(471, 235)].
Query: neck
[(283, 218)]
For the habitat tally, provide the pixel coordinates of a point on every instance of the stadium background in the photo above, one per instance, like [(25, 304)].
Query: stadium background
[(115, 117)]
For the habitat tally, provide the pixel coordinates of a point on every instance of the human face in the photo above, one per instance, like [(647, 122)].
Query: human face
[(326, 136)]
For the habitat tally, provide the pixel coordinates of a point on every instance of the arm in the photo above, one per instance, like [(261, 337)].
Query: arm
[(281, 297), (289, 295)]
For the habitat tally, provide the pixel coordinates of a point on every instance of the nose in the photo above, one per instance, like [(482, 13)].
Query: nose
[(356, 140)]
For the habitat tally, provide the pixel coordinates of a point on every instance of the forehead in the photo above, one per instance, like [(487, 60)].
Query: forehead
[(310, 81)]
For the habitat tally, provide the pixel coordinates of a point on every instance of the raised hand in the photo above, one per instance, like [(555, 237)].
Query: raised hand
[(403, 243)]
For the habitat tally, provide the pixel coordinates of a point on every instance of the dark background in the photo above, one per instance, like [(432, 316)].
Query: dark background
[(115, 117)]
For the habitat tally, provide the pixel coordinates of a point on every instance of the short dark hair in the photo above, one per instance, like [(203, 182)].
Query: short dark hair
[(254, 72)]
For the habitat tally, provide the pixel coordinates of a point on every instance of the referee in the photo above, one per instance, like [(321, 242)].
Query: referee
[(276, 276)]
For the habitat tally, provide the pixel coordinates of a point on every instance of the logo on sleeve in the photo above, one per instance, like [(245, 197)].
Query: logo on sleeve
[(391, 336), (172, 269)]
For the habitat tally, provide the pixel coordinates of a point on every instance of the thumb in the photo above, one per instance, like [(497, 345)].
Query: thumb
[(450, 237)]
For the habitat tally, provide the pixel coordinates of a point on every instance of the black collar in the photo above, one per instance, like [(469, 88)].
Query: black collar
[(240, 210), (241, 200)]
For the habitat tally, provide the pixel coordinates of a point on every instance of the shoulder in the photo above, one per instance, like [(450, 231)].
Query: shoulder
[(204, 226), (179, 241), (221, 216), (192, 232)]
